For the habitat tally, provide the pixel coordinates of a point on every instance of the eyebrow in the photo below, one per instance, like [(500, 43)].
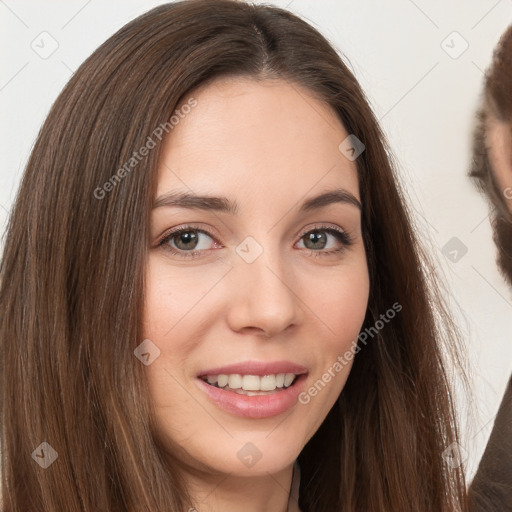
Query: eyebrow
[(223, 204)]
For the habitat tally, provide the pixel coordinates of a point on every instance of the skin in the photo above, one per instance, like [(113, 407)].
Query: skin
[(499, 144), (268, 146)]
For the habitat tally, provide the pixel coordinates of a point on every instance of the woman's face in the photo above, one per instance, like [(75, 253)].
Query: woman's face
[(271, 288)]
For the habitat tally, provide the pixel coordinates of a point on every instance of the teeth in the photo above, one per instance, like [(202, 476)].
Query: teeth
[(288, 379), (268, 382), (251, 382), (235, 381)]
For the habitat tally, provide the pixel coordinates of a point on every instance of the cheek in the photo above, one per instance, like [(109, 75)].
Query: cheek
[(340, 304), (340, 301), (158, 296), (345, 303), (499, 142), (165, 303), (174, 294)]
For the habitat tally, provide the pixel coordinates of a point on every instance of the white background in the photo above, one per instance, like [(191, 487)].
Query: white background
[(425, 99)]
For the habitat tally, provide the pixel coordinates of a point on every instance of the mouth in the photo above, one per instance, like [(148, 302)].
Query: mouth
[(253, 396), (251, 385)]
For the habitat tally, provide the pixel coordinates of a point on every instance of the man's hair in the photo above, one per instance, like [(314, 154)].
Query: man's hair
[(496, 104)]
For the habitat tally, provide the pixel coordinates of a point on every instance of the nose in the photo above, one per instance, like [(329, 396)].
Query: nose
[(264, 296)]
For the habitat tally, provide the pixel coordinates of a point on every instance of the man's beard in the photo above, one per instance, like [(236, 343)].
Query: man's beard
[(502, 235)]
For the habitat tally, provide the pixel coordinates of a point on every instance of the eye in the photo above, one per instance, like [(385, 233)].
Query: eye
[(186, 239), (317, 239), (189, 241)]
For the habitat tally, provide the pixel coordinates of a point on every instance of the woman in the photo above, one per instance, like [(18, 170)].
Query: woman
[(237, 128)]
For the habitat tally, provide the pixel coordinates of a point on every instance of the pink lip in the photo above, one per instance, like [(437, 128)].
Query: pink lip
[(258, 406), (256, 368)]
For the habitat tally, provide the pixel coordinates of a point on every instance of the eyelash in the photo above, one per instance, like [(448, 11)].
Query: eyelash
[(342, 236)]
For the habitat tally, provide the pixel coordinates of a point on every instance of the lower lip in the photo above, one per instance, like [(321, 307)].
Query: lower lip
[(257, 406)]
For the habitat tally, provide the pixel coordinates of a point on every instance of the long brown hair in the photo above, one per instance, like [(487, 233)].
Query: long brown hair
[(72, 286)]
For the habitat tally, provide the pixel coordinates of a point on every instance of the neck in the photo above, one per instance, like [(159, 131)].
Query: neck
[(226, 492)]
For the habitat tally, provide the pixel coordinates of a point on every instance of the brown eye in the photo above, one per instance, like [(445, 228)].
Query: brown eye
[(186, 242)]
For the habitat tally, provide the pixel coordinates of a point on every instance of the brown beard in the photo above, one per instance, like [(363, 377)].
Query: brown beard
[(497, 104), (502, 235)]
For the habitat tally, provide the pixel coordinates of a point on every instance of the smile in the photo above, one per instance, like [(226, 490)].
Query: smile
[(256, 402), (251, 385)]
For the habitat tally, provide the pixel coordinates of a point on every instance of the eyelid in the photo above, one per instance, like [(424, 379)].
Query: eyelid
[(342, 235), (192, 226), (319, 226), (345, 237)]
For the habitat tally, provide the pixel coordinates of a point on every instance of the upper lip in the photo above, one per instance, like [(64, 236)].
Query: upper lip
[(256, 368)]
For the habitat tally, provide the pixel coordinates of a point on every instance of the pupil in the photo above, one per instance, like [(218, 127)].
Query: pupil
[(187, 237), (315, 237)]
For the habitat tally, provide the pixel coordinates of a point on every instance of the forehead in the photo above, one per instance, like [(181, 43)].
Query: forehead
[(244, 132)]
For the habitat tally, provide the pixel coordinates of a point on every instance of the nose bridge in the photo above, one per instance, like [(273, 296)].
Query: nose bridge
[(265, 296)]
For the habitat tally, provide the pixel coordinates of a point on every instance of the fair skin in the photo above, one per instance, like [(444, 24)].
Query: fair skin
[(269, 146), (499, 145)]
